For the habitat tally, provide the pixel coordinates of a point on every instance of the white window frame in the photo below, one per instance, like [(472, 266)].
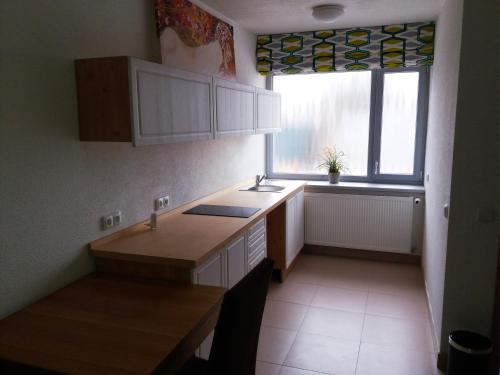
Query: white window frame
[(375, 130)]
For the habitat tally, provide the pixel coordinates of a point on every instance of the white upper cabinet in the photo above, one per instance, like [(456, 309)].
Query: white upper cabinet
[(234, 108), (268, 111), (123, 99), (169, 105)]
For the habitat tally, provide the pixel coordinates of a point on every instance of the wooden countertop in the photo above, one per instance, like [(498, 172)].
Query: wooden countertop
[(105, 325), (188, 240)]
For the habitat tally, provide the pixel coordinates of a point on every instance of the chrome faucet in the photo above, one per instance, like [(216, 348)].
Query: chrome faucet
[(258, 179)]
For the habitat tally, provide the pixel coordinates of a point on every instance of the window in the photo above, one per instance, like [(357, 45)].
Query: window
[(377, 118)]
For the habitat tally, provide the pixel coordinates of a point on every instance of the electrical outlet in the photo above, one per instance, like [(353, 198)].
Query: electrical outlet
[(111, 220), (107, 222), (159, 204), (162, 203), (117, 218)]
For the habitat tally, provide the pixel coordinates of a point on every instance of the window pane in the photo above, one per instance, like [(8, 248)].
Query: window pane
[(399, 122), (319, 110)]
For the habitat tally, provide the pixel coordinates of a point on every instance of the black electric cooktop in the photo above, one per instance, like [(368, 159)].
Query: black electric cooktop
[(214, 210)]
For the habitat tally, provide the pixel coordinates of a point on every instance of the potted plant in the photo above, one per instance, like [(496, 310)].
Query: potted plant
[(333, 161)]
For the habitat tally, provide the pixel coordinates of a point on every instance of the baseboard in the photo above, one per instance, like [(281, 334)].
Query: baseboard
[(362, 254), (442, 361), (435, 337)]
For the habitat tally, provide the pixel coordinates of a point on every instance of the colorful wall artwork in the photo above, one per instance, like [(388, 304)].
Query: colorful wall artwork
[(192, 39)]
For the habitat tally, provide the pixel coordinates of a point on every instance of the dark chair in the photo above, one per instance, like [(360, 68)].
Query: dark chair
[(234, 348)]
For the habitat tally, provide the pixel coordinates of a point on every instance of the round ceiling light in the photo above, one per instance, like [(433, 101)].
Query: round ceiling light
[(328, 12)]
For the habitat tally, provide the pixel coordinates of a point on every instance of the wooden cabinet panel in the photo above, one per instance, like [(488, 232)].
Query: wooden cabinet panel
[(104, 110), (234, 108), (268, 111)]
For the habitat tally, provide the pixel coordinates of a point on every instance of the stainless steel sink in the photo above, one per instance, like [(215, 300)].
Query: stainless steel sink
[(265, 188)]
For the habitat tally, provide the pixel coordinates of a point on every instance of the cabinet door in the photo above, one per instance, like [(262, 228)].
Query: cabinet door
[(211, 273), (268, 111), (234, 108), (299, 222), (169, 105), (291, 236), (236, 261)]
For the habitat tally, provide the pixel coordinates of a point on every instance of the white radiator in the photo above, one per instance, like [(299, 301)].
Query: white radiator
[(359, 221)]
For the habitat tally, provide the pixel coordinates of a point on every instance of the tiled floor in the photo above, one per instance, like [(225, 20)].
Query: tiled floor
[(344, 317)]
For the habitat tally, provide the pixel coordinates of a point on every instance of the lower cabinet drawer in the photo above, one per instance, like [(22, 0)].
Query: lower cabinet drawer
[(256, 244), (256, 260), (258, 227)]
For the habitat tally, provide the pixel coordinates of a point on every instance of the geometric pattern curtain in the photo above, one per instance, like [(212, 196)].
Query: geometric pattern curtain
[(358, 48)]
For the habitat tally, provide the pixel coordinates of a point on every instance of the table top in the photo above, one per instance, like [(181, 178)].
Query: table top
[(189, 240), (107, 325)]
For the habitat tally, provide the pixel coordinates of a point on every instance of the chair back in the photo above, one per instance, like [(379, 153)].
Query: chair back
[(236, 337)]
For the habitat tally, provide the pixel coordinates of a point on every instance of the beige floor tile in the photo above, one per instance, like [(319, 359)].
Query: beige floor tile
[(340, 299), (284, 315), (400, 280), (264, 368), (364, 275), (335, 323), (397, 332), (345, 279), (292, 292), (323, 354), (274, 344), (408, 307), (380, 305), (297, 371), (398, 286), (304, 275), (314, 261), (309, 269), (383, 360)]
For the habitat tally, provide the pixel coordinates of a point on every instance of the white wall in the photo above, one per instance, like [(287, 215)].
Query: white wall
[(463, 158), (471, 259), (53, 188), (439, 153)]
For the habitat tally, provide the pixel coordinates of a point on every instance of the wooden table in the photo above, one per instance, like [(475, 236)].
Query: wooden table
[(104, 325)]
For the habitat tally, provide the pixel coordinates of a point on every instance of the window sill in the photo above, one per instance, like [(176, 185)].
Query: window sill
[(362, 188)]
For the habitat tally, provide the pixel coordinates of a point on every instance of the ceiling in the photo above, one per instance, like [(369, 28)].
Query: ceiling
[(279, 16)]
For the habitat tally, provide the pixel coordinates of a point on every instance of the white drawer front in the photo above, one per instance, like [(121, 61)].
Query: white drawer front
[(256, 260), (255, 244), (257, 227)]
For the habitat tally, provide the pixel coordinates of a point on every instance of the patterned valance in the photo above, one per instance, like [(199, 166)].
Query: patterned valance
[(359, 48)]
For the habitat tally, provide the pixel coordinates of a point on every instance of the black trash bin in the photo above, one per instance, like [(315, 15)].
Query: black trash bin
[(469, 353)]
